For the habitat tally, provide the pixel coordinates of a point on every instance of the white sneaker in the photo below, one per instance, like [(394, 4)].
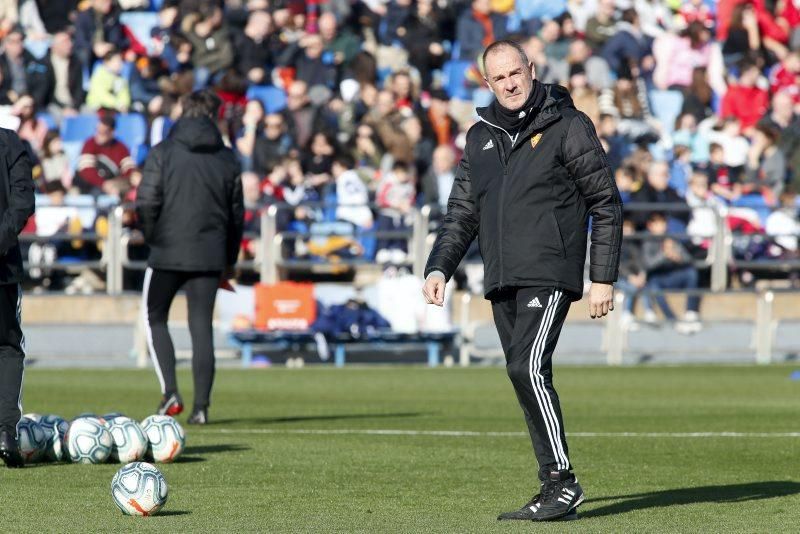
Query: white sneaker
[(691, 316), (398, 256), (383, 256), (650, 317)]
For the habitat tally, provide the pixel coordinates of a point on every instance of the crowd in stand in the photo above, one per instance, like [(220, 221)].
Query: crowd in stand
[(366, 102)]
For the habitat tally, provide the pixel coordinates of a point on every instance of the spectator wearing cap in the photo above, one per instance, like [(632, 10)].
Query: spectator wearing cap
[(16, 66), (745, 100), (98, 30), (422, 37), (105, 165), (107, 87), (628, 47), (478, 27), (61, 92)]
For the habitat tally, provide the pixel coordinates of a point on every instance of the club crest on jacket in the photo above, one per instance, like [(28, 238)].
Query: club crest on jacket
[(535, 140)]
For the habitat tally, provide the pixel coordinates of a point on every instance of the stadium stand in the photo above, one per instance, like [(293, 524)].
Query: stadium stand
[(699, 117)]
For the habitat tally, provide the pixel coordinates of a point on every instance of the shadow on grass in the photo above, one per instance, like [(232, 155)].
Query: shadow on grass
[(167, 513), (732, 493), (305, 418), (188, 459), (213, 449)]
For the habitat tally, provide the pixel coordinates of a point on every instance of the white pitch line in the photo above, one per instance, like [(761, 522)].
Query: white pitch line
[(469, 433)]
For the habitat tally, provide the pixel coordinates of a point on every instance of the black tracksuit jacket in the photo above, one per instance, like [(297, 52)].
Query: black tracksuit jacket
[(190, 202), (528, 196), (16, 203)]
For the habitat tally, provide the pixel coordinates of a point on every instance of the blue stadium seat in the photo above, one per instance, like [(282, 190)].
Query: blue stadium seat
[(132, 130), (48, 119), (78, 128), (73, 151), (454, 78), (666, 106), (272, 98)]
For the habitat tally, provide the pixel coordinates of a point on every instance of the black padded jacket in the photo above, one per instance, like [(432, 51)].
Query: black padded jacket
[(190, 202), (528, 198)]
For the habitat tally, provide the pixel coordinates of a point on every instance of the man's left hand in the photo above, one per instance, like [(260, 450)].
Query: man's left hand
[(601, 299)]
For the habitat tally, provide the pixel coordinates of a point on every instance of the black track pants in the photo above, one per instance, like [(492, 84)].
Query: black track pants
[(160, 287), (529, 321), (12, 355)]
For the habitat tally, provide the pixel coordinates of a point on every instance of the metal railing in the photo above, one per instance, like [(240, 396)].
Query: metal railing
[(269, 257)]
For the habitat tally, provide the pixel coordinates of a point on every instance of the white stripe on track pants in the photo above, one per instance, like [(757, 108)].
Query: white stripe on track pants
[(529, 321)]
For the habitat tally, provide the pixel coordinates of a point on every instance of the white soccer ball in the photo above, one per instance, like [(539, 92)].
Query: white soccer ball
[(56, 445), (32, 439), (130, 443), (166, 438), (89, 441), (139, 488)]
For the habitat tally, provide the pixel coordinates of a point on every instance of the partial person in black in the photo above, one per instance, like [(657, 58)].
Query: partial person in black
[(532, 173), (191, 211), (16, 206)]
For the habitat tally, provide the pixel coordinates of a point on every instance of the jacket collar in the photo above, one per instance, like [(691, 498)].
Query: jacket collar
[(556, 99)]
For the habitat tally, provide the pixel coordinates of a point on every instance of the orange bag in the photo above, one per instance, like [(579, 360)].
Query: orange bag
[(285, 306)]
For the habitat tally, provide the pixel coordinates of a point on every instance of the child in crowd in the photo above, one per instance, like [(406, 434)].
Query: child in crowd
[(395, 200)]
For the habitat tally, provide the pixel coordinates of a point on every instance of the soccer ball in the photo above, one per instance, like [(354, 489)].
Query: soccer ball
[(32, 439), (88, 441), (166, 438), (139, 488), (130, 443), (56, 445)]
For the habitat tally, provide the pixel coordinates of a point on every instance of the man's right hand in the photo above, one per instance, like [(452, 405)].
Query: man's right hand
[(433, 290)]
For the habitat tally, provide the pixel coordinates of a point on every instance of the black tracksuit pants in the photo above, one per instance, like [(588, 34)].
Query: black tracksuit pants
[(529, 321), (12, 355), (160, 287)]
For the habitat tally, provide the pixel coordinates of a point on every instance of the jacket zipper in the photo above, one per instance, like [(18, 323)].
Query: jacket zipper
[(504, 161)]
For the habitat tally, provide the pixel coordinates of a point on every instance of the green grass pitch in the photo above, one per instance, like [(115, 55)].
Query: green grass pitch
[(296, 451)]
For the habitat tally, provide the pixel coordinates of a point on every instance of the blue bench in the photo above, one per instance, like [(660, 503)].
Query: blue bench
[(247, 340)]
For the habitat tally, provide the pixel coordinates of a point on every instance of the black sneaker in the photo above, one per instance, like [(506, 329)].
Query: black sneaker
[(171, 404), (199, 417), (561, 494), (526, 513), (9, 449)]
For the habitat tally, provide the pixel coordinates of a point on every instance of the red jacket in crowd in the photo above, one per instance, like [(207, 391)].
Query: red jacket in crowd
[(748, 104), (99, 163)]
